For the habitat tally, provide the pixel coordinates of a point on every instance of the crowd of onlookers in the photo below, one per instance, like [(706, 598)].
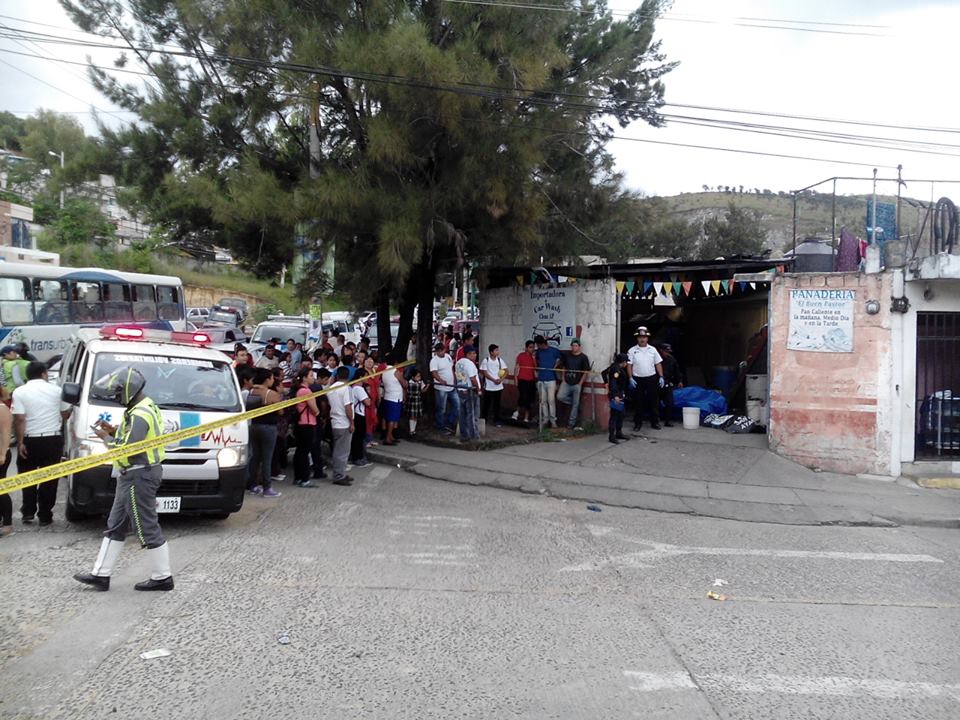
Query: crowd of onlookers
[(367, 400)]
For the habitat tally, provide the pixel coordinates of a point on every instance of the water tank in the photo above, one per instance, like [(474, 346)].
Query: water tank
[(813, 255)]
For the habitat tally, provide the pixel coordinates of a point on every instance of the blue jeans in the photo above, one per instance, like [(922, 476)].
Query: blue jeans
[(448, 409), (570, 395), (262, 440), (469, 414)]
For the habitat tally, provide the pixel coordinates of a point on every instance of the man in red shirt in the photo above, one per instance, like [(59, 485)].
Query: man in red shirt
[(525, 373)]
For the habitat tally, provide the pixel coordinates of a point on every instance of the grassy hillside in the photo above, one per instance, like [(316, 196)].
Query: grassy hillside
[(813, 212)]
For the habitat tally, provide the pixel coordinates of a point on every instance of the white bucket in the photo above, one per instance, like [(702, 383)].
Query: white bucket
[(691, 418), (758, 411), (757, 387)]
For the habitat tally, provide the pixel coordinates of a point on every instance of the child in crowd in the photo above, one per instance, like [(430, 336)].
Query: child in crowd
[(416, 388)]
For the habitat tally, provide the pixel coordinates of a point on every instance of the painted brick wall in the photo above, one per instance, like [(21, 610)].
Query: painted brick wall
[(834, 410), (501, 313)]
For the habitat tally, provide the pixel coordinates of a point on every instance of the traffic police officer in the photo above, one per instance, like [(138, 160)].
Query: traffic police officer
[(617, 387), (135, 501)]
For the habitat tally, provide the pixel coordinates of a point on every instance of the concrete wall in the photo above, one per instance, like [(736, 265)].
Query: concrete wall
[(836, 411), (597, 315)]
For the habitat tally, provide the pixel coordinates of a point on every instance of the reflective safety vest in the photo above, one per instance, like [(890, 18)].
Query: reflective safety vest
[(147, 411), (14, 373)]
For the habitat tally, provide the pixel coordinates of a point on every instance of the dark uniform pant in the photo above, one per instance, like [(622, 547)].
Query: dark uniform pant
[(135, 507), (39, 499), (647, 399)]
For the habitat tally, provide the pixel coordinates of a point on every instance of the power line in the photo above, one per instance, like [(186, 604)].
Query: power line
[(762, 23), (485, 91), (41, 37)]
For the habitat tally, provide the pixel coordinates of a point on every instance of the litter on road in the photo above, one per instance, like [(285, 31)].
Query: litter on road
[(720, 583), (283, 637), (153, 654), (593, 508), (716, 596)]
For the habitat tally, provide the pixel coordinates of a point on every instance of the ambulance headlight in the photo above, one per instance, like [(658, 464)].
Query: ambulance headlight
[(230, 457)]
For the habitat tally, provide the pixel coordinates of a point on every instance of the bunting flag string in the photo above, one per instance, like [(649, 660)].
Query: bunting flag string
[(725, 284), (520, 280), (706, 287), (630, 286), (647, 287), (715, 284), (687, 287), (658, 286), (743, 286), (620, 286), (676, 288)]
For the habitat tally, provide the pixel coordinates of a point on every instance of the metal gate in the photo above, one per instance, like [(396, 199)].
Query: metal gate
[(938, 385)]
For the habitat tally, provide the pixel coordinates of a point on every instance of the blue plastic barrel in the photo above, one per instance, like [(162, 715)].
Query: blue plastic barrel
[(724, 378)]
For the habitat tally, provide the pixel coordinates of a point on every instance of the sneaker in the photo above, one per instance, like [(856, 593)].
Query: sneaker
[(256, 490), (578, 429), (306, 484), (346, 480), (361, 463), (516, 414), (278, 478), (27, 519), (348, 467), (270, 492), (6, 530)]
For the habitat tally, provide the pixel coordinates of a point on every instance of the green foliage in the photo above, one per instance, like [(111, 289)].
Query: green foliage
[(504, 162), (79, 223), (11, 131), (739, 232)]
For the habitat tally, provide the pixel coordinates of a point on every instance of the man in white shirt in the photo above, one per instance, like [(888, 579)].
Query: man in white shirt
[(468, 387), (38, 415), (447, 401), (493, 369), (647, 369), (269, 359), (341, 425)]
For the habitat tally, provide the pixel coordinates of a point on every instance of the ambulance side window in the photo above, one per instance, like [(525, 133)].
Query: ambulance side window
[(73, 367)]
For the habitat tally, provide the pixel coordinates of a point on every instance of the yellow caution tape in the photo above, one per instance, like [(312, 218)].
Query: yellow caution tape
[(69, 467)]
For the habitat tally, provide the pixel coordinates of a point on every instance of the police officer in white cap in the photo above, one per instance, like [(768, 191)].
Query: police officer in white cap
[(647, 369), (135, 501)]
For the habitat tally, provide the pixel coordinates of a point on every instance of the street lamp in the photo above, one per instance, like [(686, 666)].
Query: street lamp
[(59, 155)]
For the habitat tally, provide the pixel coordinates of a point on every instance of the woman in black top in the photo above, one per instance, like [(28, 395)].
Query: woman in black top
[(263, 434)]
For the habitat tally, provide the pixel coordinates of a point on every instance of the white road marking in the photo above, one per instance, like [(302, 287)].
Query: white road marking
[(660, 551), (830, 686), (442, 519)]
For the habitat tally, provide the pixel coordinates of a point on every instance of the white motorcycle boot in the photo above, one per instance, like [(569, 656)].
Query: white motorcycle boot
[(99, 577), (160, 576)]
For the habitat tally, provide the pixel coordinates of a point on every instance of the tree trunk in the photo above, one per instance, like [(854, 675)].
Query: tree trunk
[(384, 341), (426, 286)]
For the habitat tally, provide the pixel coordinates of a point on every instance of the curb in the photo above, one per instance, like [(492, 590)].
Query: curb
[(939, 483), (738, 510)]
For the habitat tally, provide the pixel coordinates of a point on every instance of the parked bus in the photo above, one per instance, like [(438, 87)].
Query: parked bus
[(44, 306)]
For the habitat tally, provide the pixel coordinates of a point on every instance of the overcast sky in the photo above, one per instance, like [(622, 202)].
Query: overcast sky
[(886, 61)]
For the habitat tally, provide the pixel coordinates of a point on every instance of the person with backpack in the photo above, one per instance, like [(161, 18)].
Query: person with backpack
[(304, 422), (263, 434)]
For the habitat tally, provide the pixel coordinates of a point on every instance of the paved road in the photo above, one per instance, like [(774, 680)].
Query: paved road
[(406, 597)]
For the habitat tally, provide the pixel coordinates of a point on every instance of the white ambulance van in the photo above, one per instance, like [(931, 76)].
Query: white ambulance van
[(193, 384)]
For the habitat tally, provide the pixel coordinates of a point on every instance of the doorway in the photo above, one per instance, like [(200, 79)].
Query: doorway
[(938, 386)]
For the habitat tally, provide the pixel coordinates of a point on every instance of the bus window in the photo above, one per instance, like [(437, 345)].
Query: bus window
[(144, 303), (50, 299), (116, 302), (86, 303), (16, 307), (169, 303)]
